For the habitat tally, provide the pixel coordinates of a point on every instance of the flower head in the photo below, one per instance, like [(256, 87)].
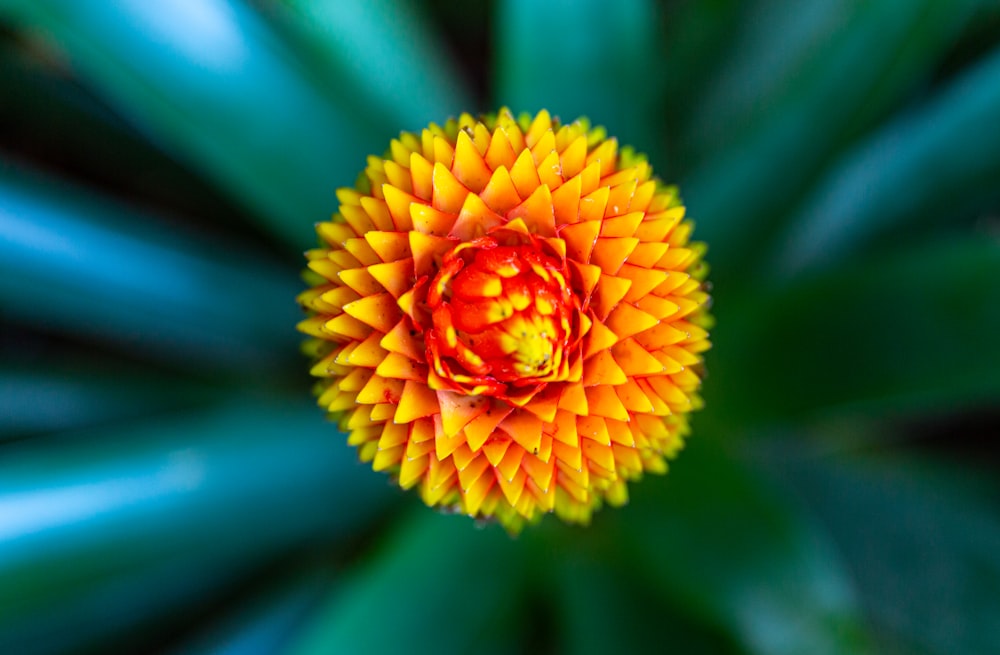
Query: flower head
[(507, 313)]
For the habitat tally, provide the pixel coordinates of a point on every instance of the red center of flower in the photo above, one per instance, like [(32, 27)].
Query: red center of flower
[(503, 317)]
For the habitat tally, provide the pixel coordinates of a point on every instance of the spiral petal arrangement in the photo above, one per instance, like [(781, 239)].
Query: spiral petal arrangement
[(507, 313)]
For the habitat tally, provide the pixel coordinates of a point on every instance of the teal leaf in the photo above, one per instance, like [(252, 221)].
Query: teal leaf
[(805, 83), (267, 621), (91, 522), (924, 544), (930, 164), (61, 126), (603, 605), (45, 394), (212, 84), (589, 59), (440, 583), (386, 52), (718, 538), (73, 263), (915, 330), (697, 38)]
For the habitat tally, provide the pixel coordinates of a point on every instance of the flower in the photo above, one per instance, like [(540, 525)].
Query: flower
[(507, 314)]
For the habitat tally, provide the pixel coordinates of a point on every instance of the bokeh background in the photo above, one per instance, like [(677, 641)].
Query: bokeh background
[(167, 485)]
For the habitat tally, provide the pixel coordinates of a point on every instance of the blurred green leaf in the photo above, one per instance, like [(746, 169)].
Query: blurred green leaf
[(47, 394), (582, 59), (806, 81), (718, 538), (934, 163), (917, 329), (385, 51), (435, 586), (91, 522), (210, 82), (697, 37), (603, 607), (74, 263), (58, 125), (924, 547), (266, 622)]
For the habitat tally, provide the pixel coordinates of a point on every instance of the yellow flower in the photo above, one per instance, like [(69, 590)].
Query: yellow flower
[(507, 313)]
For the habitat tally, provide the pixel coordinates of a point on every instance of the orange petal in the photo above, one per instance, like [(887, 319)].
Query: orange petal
[(389, 246), (368, 353), (619, 198), (540, 125), (602, 369), (395, 365), (619, 432), (537, 212), (500, 152), (603, 401), (609, 292), (625, 320), (566, 202), (396, 277), (476, 493), (358, 219), (606, 154), (550, 171), (427, 251), (580, 240), (475, 219), (500, 194), (635, 360), (574, 157), (458, 409), (621, 226), (610, 254), (524, 174), (469, 167), (524, 428), (572, 400), (600, 338), (633, 399), (421, 172), (379, 311), (592, 204), (496, 448), (481, 428), (592, 429), (380, 390), (361, 281), (449, 193), (428, 220)]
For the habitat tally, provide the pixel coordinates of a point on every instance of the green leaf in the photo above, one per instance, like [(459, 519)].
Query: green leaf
[(931, 164), (603, 606), (396, 68), (80, 265), (583, 59), (92, 522), (923, 544), (437, 585), (57, 125), (213, 85), (267, 622), (908, 330), (805, 82), (697, 38), (45, 394), (719, 539)]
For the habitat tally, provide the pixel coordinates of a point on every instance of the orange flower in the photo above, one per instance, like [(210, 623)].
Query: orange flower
[(507, 314)]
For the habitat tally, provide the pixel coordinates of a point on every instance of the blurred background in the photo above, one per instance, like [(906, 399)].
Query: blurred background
[(167, 484)]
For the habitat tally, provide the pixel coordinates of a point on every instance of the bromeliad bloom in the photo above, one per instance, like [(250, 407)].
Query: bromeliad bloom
[(507, 314)]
